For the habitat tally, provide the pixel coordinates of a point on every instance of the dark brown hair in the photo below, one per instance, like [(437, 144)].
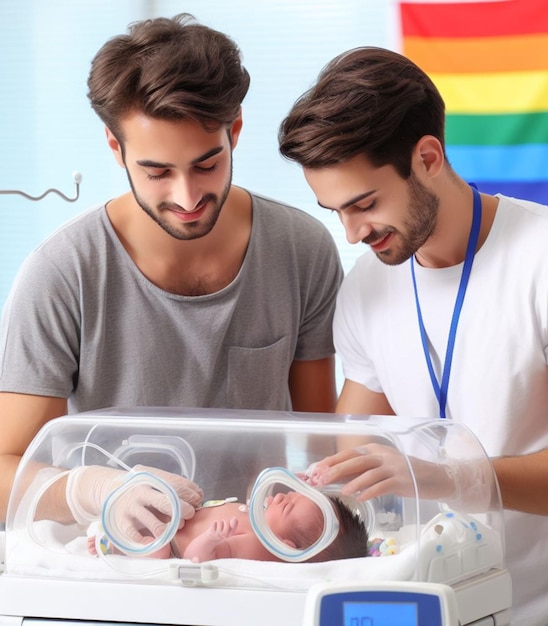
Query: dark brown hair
[(368, 101), (168, 69), (352, 540)]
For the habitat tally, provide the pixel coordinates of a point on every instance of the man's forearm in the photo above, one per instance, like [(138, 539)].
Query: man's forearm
[(8, 467), (523, 482), (52, 503)]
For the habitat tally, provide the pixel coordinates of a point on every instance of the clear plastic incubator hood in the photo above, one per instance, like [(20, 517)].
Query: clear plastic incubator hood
[(430, 514)]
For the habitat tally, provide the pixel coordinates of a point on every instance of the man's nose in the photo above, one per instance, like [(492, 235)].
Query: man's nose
[(186, 193), (356, 226)]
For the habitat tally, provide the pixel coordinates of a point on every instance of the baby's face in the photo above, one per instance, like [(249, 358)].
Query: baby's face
[(291, 515)]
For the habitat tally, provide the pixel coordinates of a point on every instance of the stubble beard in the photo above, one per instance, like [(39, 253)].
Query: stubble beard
[(188, 230), (418, 227)]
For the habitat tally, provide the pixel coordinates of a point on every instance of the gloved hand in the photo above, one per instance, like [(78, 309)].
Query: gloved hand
[(141, 512), (375, 469)]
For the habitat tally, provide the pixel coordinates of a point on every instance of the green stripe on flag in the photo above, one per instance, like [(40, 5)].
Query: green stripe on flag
[(493, 130)]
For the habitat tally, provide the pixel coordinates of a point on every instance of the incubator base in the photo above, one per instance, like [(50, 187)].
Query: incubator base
[(482, 601)]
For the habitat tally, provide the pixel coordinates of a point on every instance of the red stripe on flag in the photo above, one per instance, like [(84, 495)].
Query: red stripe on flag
[(474, 19)]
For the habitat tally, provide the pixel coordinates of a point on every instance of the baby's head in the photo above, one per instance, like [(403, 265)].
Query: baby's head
[(294, 518), (299, 522)]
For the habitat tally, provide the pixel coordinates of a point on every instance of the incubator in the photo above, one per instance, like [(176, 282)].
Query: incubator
[(435, 531)]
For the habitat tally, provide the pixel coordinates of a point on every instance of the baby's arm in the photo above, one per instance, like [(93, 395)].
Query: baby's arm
[(212, 544)]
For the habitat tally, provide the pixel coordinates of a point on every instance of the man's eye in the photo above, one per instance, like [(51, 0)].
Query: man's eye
[(369, 207), (206, 170), (157, 176)]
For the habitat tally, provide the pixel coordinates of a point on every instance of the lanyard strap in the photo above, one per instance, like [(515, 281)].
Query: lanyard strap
[(441, 391)]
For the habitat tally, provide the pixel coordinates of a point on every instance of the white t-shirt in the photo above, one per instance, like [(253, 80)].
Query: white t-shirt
[(499, 377)]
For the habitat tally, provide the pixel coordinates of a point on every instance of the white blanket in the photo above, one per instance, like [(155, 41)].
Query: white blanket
[(450, 549)]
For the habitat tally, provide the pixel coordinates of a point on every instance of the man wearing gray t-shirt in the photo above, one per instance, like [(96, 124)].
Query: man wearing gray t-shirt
[(186, 291)]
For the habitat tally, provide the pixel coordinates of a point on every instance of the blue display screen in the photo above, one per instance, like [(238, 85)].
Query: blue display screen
[(380, 608), (380, 614)]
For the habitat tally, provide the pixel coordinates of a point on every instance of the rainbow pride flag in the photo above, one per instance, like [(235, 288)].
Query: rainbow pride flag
[(490, 62)]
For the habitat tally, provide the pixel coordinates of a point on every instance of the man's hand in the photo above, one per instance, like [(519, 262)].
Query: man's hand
[(375, 469)]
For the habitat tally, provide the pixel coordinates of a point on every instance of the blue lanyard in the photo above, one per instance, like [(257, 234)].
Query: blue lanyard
[(441, 391)]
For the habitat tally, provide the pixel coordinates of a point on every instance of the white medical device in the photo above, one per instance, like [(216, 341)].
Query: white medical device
[(381, 604), (441, 548)]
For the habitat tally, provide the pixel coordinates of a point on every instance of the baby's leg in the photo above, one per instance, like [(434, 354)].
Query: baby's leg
[(104, 545), (91, 546), (162, 553), (107, 548)]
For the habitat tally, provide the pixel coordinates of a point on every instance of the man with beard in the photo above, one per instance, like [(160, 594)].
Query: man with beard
[(185, 292), (448, 317)]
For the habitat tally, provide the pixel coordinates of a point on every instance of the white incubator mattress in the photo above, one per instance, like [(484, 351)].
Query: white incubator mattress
[(451, 547)]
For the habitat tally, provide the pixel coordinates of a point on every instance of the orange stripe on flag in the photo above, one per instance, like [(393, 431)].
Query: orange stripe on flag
[(469, 55)]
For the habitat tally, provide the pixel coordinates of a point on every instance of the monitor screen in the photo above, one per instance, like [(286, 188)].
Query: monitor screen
[(380, 614)]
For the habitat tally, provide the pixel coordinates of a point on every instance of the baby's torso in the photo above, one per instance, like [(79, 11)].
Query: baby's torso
[(205, 516)]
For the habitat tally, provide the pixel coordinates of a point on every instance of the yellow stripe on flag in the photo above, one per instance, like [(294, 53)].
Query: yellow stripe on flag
[(503, 92)]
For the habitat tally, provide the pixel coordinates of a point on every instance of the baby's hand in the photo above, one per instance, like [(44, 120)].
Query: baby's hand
[(207, 545), (314, 473), (222, 529)]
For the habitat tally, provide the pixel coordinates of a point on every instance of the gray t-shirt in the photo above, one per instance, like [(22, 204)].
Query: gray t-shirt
[(82, 322)]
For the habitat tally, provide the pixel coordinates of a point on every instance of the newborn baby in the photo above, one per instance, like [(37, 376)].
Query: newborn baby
[(223, 530)]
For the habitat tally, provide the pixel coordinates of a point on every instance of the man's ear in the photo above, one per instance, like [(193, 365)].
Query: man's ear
[(428, 156), (115, 146), (235, 129), (289, 543)]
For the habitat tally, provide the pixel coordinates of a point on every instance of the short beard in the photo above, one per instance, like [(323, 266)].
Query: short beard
[(418, 227), (192, 230)]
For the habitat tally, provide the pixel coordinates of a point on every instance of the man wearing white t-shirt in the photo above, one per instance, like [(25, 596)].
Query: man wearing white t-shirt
[(447, 314)]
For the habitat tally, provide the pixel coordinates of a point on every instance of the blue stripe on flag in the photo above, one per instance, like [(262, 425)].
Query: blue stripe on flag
[(526, 163)]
